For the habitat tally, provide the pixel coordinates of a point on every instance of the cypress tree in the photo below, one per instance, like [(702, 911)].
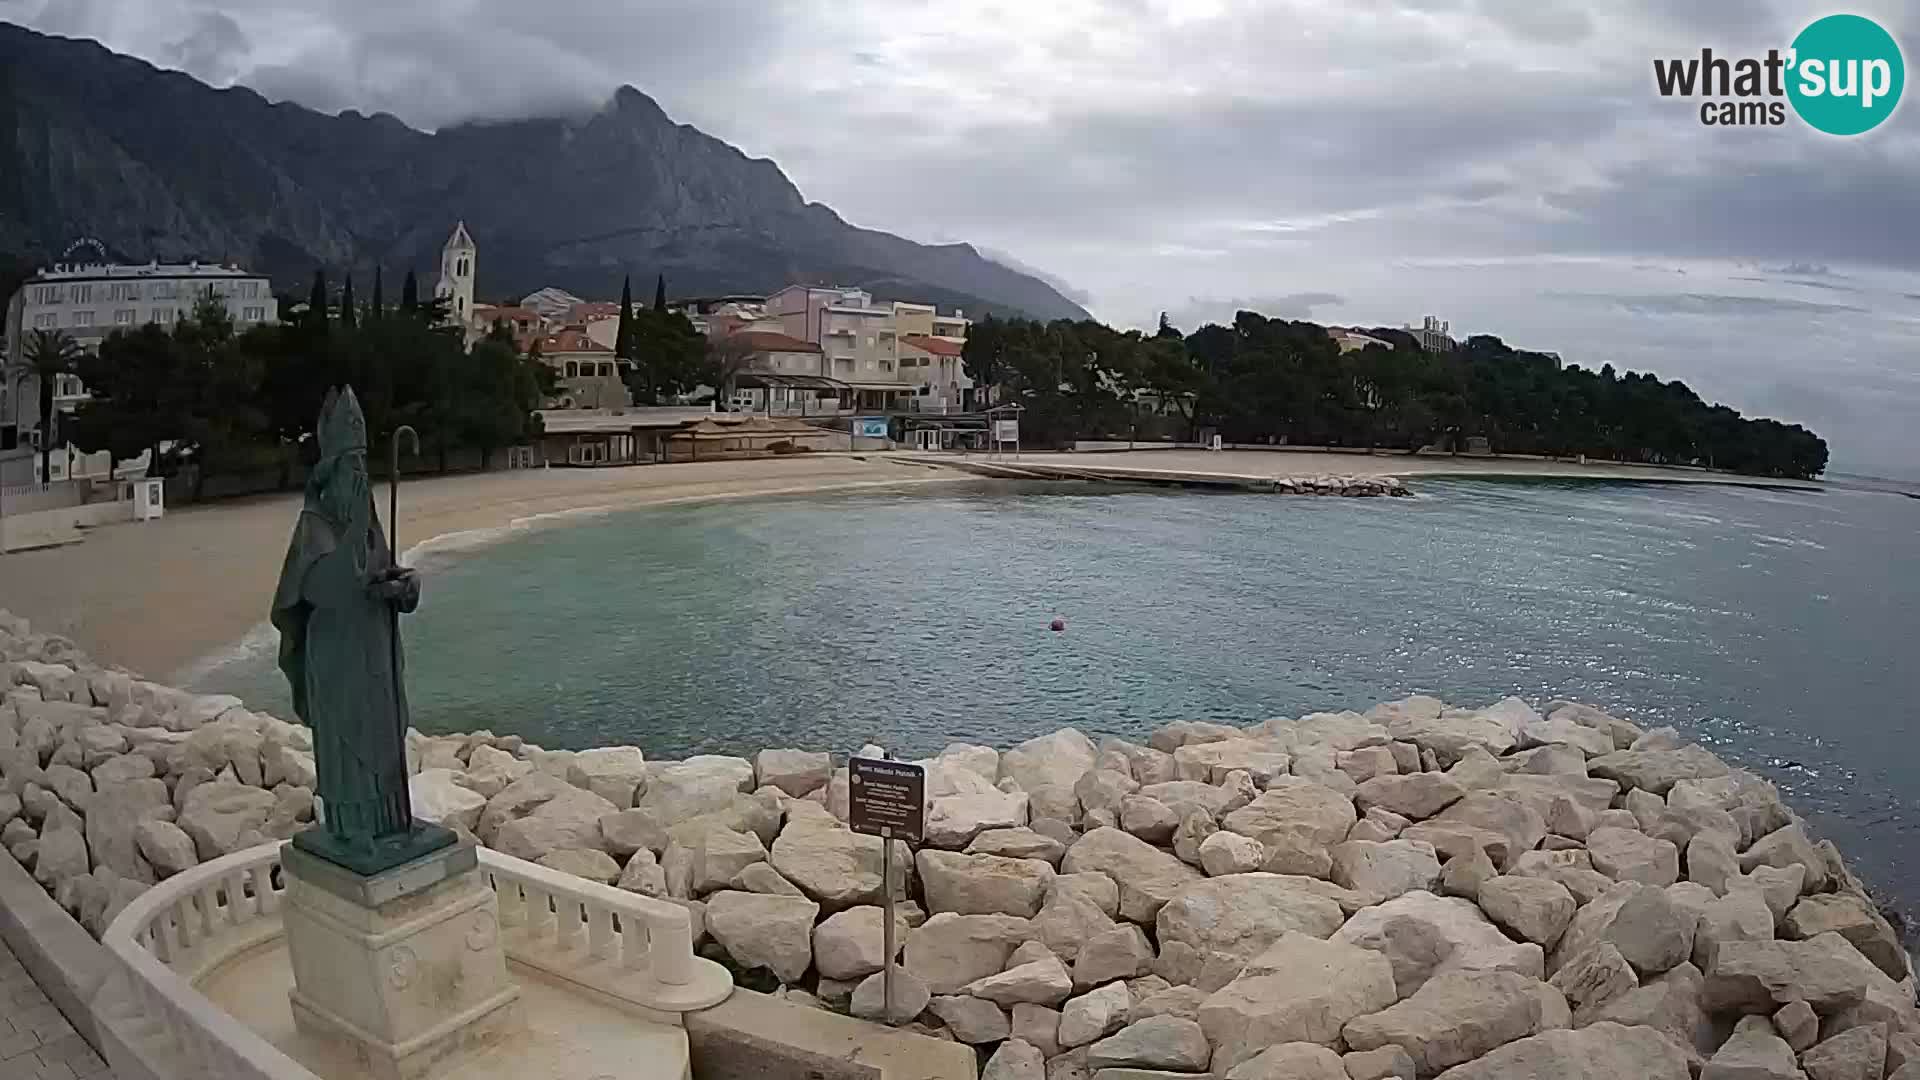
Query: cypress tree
[(410, 294), (378, 309), (623, 338), (660, 294), (348, 317), (317, 299)]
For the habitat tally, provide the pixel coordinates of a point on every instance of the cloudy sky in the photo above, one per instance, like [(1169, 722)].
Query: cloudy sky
[(1504, 164)]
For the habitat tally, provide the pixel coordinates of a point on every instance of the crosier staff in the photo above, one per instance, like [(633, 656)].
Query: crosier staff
[(393, 537)]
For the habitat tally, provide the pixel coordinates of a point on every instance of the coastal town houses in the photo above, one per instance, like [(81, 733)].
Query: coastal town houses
[(87, 301)]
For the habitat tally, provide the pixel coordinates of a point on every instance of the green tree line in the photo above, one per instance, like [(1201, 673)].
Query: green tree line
[(234, 400), (1277, 381)]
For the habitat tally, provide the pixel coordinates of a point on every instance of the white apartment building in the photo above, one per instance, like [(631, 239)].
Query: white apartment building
[(90, 301), (1432, 334)]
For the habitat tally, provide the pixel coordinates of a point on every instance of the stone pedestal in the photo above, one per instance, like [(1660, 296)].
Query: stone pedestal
[(404, 969)]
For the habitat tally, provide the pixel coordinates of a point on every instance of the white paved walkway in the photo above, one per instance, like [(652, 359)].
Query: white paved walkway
[(36, 1042)]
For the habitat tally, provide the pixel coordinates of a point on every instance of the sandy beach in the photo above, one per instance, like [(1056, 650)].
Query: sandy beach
[(157, 598)]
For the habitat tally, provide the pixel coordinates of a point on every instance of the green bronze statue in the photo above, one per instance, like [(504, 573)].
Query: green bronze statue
[(338, 608)]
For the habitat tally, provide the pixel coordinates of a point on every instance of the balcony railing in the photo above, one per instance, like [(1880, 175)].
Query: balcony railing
[(631, 947)]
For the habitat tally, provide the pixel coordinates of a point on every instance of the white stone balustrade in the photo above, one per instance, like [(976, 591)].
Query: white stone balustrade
[(634, 948)]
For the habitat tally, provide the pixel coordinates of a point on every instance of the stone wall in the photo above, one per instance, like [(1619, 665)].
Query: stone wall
[(1416, 890)]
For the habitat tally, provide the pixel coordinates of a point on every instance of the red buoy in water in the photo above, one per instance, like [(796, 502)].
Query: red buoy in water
[(1057, 625)]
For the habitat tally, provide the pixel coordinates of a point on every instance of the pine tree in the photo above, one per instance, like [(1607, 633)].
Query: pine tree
[(410, 294), (660, 295), (349, 318), (378, 309), (317, 299), (623, 338)]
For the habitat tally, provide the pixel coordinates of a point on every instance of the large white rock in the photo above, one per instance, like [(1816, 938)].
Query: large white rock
[(870, 999), (1382, 871), (1102, 789), (1535, 909), (1457, 1017), (851, 944), (1643, 922), (1301, 989), (1291, 1061), (595, 866), (1094, 1015), (571, 819), (1593, 977), (1074, 914), (1211, 762), (219, 815), (437, 796), (517, 800), (167, 848), (834, 865), (615, 773), (1231, 853), (1047, 768), (1604, 1051), (1018, 843), (1147, 876), (62, 851), (1657, 770), (1753, 1052), (113, 815), (490, 770), (1041, 982), (1120, 952), (699, 785), (757, 930), (1295, 804), (983, 884), (1229, 920), (949, 951), (1502, 824), (796, 772), (1781, 848), (720, 855), (1626, 855), (1182, 796), (1855, 1054), (954, 820), (972, 1020), (1495, 729), (1166, 1042), (643, 874), (1423, 935), (1825, 971), (1845, 913), (1015, 1060), (1564, 731), (1415, 795)]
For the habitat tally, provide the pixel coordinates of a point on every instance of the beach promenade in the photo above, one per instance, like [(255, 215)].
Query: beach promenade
[(158, 597)]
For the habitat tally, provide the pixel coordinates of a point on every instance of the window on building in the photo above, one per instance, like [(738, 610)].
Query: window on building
[(123, 317), (163, 290), (83, 294), (254, 314), (572, 370), (83, 318), (250, 290), (46, 322), (46, 294), (163, 315)]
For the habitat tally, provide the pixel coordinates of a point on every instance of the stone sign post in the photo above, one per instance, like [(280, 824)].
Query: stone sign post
[(392, 930)]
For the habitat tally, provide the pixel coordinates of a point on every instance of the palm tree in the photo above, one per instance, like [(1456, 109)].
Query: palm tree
[(49, 355)]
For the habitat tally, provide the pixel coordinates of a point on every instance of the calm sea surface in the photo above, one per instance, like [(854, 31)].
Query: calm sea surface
[(1779, 628)]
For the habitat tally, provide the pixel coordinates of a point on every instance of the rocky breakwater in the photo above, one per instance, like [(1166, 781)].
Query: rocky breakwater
[(1358, 487), (1413, 891)]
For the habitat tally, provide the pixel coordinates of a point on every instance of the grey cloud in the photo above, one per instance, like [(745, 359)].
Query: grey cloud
[(1199, 311), (1540, 20), (1066, 289), (214, 49), (1694, 303)]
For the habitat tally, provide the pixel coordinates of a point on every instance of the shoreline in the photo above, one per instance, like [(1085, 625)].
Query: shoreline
[(1560, 881), (174, 598)]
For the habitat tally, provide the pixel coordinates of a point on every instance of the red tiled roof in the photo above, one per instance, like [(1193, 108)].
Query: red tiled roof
[(571, 340), (934, 345), (772, 341), (597, 309)]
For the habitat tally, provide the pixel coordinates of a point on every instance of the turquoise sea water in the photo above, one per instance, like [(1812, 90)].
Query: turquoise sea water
[(1778, 627)]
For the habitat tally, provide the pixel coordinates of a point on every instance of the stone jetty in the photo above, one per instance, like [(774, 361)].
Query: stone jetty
[(1504, 892)]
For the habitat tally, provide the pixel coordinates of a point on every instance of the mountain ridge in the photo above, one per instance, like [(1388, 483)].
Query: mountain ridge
[(156, 164)]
